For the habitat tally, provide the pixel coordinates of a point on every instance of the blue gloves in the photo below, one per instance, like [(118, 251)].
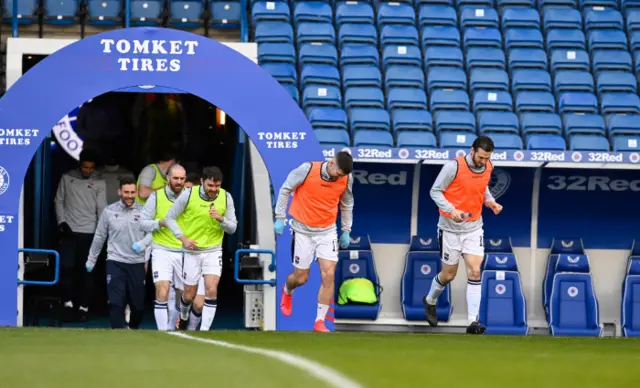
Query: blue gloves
[(88, 267), (279, 226), (345, 240), (136, 248)]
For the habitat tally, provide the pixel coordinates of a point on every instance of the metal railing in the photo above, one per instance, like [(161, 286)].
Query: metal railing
[(56, 271), (272, 266)]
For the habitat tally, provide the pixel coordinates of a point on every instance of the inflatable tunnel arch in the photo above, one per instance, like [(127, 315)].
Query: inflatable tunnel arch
[(149, 56)]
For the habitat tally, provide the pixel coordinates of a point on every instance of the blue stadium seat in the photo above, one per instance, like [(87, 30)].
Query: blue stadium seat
[(592, 124), (359, 54), (411, 120), (500, 262), (631, 305), (396, 13), (623, 125), (485, 57), (451, 139), (498, 244), (634, 39), (574, 306), (269, 11), (482, 37), (294, 92), (492, 100), (399, 76), (573, 81), (440, 77), (372, 138), (502, 306), (607, 40), (321, 53), (461, 4), (570, 247), (352, 33), (498, 122), (100, 13), (582, 4), (285, 73), (61, 12), (336, 138), (505, 4), (276, 52), (312, 11), (437, 15), (414, 139), (319, 75), (363, 97), (406, 98), (454, 99), (550, 4), (402, 34), (352, 263), (459, 121), (225, 14), (633, 20), (568, 59), (541, 123), (577, 102), (440, 36), (611, 60), (422, 264), (545, 142), (523, 38), (528, 59), (616, 81), (589, 143), (562, 38), (369, 118), (520, 18), (308, 32), (443, 56), (562, 18), (318, 95), (597, 18), (530, 79), (26, 11), (507, 141), (402, 55), (273, 32), (619, 103), (535, 102), (622, 143), (361, 75), (328, 118), (478, 17), (146, 13), (354, 12), (489, 79)]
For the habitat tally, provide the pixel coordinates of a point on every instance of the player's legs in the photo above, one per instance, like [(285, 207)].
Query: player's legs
[(211, 270), (192, 272), (135, 293), (162, 276), (303, 253), (116, 291), (175, 292), (327, 253), (450, 254), (197, 306), (473, 251)]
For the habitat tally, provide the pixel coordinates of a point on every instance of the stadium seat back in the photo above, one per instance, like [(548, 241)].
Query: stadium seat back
[(500, 262), (574, 306), (497, 244), (502, 305), (631, 306)]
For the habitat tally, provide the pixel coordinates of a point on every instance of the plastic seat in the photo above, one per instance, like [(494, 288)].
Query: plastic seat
[(446, 78), (523, 38), (562, 18), (485, 57), (146, 13), (320, 75), (622, 143), (506, 4), (544, 142), (369, 118), (619, 103), (317, 53), (456, 140), (623, 125), (596, 18), (443, 56), (396, 13), (293, 92), (489, 79), (492, 100), (359, 54), (285, 73), (595, 143), (401, 34), (460, 121), (482, 37), (351, 33), (573, 81), (530, 79), (634, 39), (276, 52), (59, 12), (531, 101), (611, 60), (406, 98), (503, 308), (528, 59), (545, 5), (273, 32), (580, 124), (372, 138), (411, 120), (26, 11), (401, 55), (607, 40), (574, 306), (564, 59), (225, 14), (269, 11), (363, 97), (541, 123), (450, 99), (414, 139), (633, 20), (399, 76), (361, 75), (354, 12), (520, 18), (328, 118), (478, 17), (562, 38), (461, 4), (507, 141), (333, 138), (440, 36), (312, 11), (307, 32), (99, 13), (616, 81), (498, 122), (316, 95), (437, 15)]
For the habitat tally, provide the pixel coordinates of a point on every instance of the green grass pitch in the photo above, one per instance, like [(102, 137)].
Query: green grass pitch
[(34, 358)]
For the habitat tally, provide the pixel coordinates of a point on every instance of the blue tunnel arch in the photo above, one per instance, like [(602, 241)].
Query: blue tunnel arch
[(149, 56)]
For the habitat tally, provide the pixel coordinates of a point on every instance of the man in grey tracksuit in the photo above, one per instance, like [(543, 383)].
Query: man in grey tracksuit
[(119, 225), (80, 199)]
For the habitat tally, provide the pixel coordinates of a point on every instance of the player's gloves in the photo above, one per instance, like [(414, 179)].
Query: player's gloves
[(89, 267), (345, 240), (279, 226), (136, 248)]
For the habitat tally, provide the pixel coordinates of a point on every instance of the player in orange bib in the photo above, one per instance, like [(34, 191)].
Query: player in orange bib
[(460, 191), (318, 187)]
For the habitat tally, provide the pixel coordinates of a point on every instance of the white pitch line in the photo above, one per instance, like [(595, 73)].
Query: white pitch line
[(330, 376)]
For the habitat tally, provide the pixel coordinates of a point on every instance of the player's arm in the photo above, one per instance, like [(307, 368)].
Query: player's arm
[(294, 179), (488, 197), (443, 180), (59, 201), (147, 175), (147, 222), (346, 207), (176, 210), (99, 238), (229, 221), (101, 197)]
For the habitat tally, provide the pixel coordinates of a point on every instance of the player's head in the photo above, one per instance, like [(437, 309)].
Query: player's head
[(211, 180), (176, 175), (481, 150), (87, 163), (341, 165), (193, 179), (128, 191)]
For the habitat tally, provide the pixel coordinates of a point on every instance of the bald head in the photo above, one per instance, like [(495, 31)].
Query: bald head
[(176, 175)]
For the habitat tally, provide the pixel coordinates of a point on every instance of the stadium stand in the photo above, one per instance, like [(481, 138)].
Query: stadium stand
[(354, 262), (560, 58), (631, 294), (421, 266)]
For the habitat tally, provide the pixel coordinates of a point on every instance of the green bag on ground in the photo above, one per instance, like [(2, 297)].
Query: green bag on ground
[(357, 291)]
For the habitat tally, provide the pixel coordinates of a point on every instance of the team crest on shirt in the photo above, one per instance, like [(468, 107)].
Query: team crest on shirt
[(500, 182), (446, 257)]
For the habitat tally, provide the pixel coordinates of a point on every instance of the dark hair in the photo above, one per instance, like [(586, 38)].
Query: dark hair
[(483, 142), (212, 172), (166, 156), (193, 177), (88, 155), (345, 162), (127, 181)]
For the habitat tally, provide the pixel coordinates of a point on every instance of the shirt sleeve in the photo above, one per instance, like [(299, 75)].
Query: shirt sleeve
[(147, 175), (442, 182), (99, 238), (229, 222), (101, 197), (488, 197), (59, 200), (147, 222), (176, 210), (346, 206), (295, 179)]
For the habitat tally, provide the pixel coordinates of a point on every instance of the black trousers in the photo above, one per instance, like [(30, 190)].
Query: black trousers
[(125, 286), (76, 283)]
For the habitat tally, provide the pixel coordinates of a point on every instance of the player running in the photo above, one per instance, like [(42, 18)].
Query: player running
[(318, 189), (460, 190)]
